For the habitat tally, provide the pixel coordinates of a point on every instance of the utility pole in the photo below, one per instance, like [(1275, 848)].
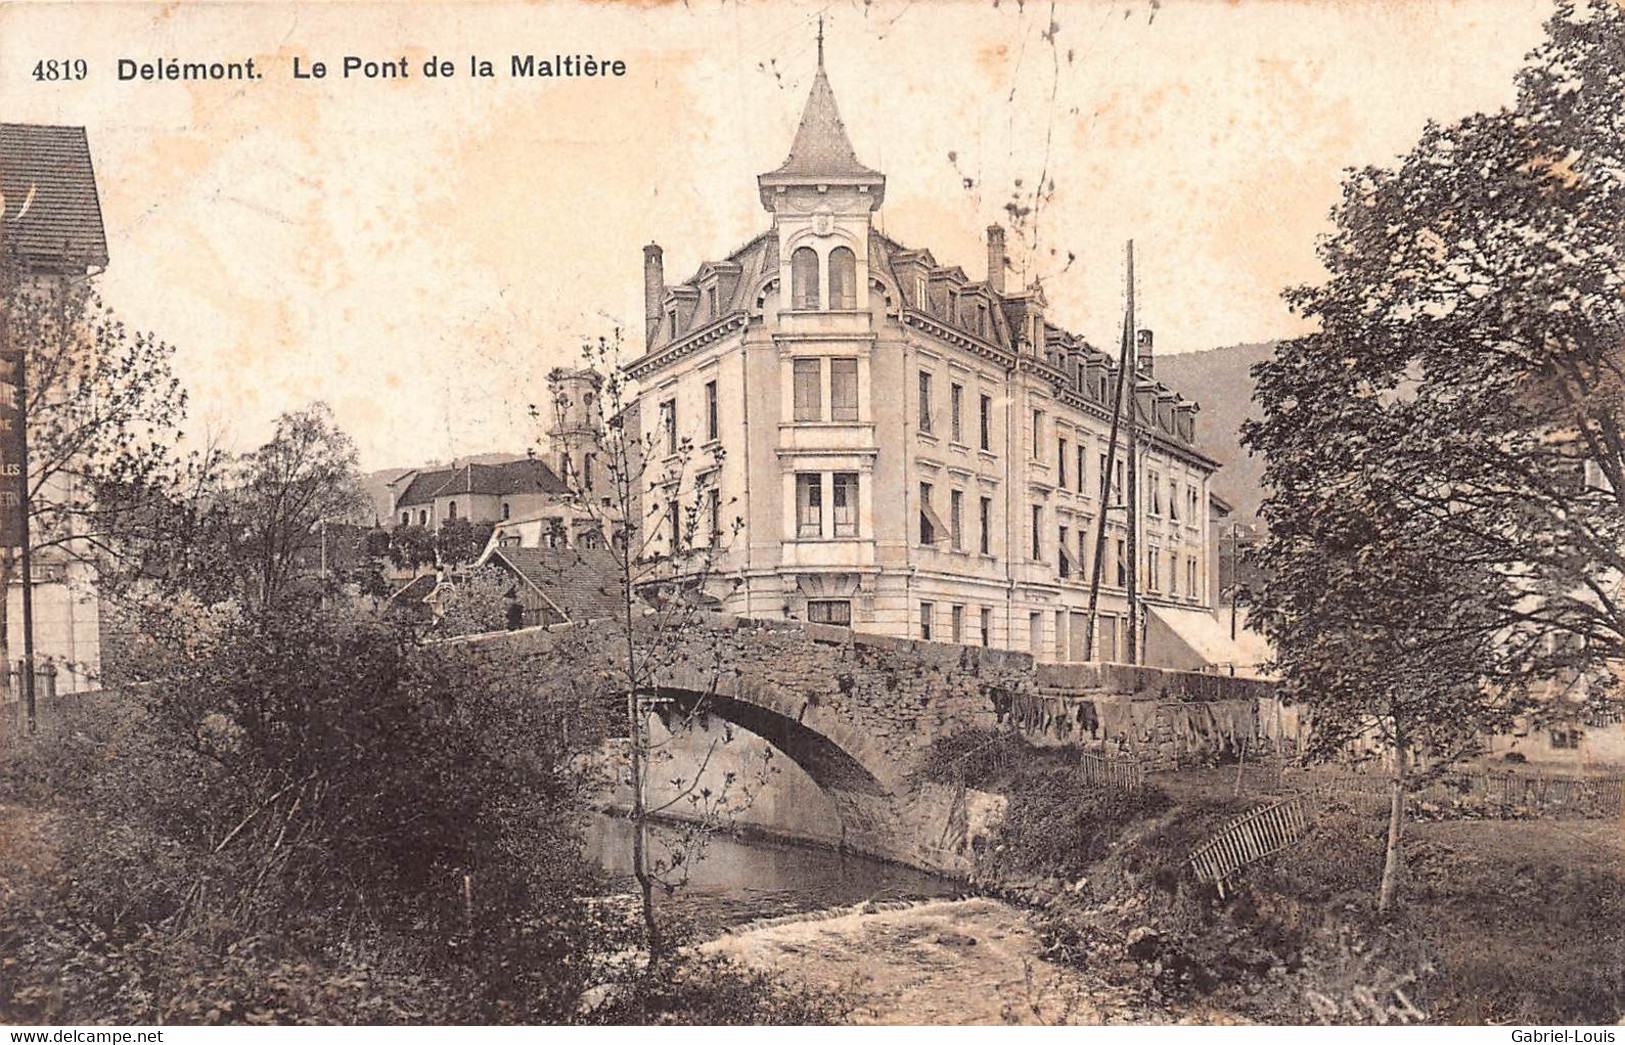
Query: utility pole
[(1132, 494), (1235, 577), (1125, 363)]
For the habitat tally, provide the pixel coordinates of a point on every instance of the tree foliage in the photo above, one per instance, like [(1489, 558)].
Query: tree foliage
[(1435, 547)]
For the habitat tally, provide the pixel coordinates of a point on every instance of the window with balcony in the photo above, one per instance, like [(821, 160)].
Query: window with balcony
[(804, 279), (843, 279), (844, 492), (809, 390), (843, 389), (809, 504)]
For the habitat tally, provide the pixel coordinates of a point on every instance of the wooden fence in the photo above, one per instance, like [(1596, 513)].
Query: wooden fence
[(1124, 772), (1250, 838)]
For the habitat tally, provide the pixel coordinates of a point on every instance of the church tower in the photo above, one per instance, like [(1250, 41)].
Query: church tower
[(821, 199)]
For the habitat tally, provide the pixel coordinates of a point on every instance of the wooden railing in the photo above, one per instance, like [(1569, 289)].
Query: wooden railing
[(1250, 838), (1124, 772)]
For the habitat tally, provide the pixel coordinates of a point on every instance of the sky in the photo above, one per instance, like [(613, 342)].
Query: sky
[(418, 253)]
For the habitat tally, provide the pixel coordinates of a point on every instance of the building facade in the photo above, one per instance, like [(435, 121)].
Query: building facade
[(909, 451)]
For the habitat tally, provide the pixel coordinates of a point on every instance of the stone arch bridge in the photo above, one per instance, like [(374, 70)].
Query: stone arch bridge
[(858, 713)]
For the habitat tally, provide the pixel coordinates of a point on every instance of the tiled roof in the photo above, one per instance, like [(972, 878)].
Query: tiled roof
[(422, 488), (821, 146), (525, 475), (582, 583), (47, 177), (416, 591)]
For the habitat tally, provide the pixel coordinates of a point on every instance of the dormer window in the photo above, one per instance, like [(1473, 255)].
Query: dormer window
[(711, 299), (804, 279), (843, 279), (671, 321), (981, 319), (922, 294)]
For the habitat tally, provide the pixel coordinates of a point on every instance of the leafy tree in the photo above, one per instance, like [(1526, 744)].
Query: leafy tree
[(1445, 455), (479, 602), (411, 547), (459, 541), (275, 497), (104, 419)]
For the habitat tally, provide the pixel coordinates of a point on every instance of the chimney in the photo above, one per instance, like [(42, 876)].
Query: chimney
[(1145, 362), (995, 258), (654, 290)]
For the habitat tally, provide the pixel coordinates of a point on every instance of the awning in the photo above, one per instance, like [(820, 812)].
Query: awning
[(938, 531), (1196, 640)]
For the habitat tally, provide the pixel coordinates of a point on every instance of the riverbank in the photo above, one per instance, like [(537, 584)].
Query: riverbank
[(942, 962)]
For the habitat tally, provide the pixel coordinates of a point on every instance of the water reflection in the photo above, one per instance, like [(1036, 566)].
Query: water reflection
[(741, 880)]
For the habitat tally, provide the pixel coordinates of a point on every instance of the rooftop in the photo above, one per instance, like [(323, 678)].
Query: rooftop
[(53, 215)]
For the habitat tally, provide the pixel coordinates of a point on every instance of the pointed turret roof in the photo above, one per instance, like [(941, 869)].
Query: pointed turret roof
[(821, 146), (822, 153)]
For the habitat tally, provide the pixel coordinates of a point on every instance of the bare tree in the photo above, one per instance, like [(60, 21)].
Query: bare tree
[(649, 510)]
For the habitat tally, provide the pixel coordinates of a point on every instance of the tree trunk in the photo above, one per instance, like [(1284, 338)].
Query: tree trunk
[(1396, 824), (640, 849)]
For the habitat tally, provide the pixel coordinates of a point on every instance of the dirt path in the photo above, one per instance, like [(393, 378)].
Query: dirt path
[(944, 962)]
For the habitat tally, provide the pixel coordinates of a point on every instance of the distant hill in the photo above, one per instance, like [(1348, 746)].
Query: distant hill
[(376, 484), (1221, 381)]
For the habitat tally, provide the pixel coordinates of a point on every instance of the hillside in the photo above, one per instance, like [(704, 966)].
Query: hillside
[(1220, 380)]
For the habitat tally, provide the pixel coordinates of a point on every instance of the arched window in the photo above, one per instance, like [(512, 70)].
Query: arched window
[(843, 278), (804, 278)]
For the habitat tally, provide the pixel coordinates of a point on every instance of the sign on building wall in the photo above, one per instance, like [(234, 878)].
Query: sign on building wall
[(11, 448)]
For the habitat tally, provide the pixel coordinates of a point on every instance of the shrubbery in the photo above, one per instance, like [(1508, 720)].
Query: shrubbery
[(310, 818)]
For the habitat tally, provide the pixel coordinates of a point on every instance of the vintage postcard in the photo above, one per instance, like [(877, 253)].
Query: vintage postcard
[(988, 512)]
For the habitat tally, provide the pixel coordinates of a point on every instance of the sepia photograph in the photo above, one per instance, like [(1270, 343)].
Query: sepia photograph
[(987, 513)]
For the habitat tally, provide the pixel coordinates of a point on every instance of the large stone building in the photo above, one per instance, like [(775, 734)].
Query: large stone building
[(910, 451)]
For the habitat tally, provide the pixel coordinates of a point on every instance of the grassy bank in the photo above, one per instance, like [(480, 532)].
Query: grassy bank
[(1516, 922)]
